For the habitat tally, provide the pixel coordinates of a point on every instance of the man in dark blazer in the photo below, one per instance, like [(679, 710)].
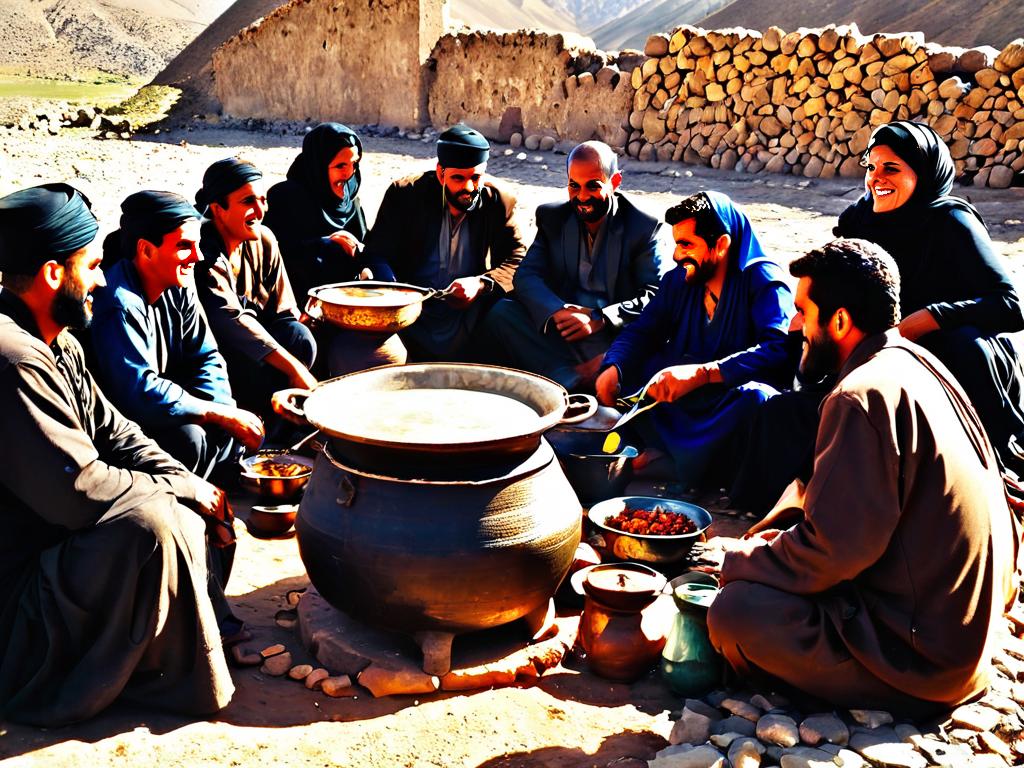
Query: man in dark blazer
[(594, 265), (449, 228)]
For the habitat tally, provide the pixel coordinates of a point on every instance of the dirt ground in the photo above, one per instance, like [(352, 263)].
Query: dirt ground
[(569, 718)]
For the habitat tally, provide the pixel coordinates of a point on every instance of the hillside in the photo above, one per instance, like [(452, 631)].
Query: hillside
[(65, 38), (961, 23), (632, 29), (511, 14)]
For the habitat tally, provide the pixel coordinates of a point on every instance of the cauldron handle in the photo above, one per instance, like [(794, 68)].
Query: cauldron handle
[(575, 402), (289, 403), (347, 484)]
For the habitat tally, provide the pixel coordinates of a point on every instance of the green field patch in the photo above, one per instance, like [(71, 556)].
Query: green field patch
[(100, 90), (150, 104)]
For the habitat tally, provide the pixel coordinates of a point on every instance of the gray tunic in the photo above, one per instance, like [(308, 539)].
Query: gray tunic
[(103, 578)]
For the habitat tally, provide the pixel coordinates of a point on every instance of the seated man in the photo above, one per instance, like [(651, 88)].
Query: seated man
[(455, 228), (104, 584), (160, 365), (714, 335), (883, 592), (594, 265), (243, 286)]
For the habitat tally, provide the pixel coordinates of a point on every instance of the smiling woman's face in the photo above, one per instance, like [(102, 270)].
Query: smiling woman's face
[(889, 179)]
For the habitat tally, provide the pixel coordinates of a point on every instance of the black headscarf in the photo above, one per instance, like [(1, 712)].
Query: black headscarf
[(224, 177), (898, 231), (146, 215), (309, 169), (43, 223)]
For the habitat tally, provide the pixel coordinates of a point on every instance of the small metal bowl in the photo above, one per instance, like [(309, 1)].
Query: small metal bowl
[(270, 487), (269, 521), (596, 477), (648, 548)]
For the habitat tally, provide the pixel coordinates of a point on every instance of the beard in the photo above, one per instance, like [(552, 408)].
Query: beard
[(463, 201), (820, 358), (72, 306), (598, 209), (702, 270)]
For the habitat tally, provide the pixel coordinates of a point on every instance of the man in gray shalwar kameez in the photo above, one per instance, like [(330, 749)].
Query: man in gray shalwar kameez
[(104, 588)]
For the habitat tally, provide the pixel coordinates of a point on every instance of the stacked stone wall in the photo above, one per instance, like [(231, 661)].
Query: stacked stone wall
[(802, 102), (806, 102)]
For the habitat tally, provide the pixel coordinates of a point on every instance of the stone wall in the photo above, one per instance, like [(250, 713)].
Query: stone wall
[(806, 102), (529, 83), (355, 60), (802, 102)]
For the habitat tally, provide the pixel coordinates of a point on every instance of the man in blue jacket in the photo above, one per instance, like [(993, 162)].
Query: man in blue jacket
[(595, 263), (155, 355)]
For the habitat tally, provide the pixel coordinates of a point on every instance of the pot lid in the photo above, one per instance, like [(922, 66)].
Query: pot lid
[(435, 404), (369, 293)]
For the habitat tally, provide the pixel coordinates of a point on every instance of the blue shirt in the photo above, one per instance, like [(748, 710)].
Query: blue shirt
[(156, 362)]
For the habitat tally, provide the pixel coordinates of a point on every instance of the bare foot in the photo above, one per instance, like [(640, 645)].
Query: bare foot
[(646, 458)]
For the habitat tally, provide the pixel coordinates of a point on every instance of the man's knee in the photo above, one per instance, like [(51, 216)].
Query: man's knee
[(161, 522), (296, 338), (733, 615)]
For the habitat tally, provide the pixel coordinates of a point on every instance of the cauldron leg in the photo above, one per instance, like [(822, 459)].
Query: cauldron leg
[(437, 651), (541, 621)]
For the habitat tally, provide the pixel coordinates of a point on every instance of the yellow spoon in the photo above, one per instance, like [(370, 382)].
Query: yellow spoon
[(611, 443)]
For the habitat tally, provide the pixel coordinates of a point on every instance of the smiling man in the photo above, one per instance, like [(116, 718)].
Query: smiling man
[(594, 265), (449, 228), (711, 342), (244, 288), (882, 581), (158, 361), (104, 586)]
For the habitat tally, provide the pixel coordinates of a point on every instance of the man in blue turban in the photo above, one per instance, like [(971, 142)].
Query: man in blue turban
[(452, 228), (104, 584), (159, 363), (711, 344)]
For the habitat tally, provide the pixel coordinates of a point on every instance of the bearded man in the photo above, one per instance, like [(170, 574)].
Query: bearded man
[(594, 265), (105, 590), (883, 581), (711, 344), (454, 229)]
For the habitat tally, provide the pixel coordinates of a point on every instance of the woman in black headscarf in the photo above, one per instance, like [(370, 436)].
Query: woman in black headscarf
[(957, 297), (315, 213)]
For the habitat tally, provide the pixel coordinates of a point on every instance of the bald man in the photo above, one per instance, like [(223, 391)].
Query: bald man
[(595, 263)]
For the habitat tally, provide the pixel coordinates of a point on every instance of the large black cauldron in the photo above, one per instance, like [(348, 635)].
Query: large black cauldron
[(439, 555)]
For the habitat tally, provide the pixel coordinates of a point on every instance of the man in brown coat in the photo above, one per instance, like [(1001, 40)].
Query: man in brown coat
[(884, 591), (449, 228)]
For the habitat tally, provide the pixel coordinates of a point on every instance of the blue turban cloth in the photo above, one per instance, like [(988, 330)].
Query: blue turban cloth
[(147, 215), (42, 223), (309, 169), (462, 147), (745, 245), (224, 177)]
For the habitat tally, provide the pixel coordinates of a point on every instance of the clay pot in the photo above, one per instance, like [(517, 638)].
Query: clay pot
[(439, 555), (612, 630)]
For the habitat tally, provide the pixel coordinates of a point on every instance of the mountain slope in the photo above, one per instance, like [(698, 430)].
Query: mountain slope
[(632, 29), (511, 14), (957, 22)]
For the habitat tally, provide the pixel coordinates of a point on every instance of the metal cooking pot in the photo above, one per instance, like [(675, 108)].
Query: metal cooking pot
[(585, 426), (429, 555), (352, 409), (369, 305)]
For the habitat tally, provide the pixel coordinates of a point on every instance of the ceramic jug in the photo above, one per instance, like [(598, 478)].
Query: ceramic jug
[(689, 663)]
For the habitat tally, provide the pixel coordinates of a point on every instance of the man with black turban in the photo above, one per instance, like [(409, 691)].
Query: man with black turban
[(159, 361), (244, 288), (449, 228), (104, 587)]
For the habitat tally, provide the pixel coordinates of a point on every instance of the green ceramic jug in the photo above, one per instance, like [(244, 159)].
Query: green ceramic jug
[(689, 663)]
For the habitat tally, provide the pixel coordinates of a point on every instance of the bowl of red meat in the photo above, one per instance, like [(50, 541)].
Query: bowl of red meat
[(649, 529)]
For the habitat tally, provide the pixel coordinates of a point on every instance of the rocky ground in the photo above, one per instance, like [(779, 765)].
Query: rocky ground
[(568, 718)]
